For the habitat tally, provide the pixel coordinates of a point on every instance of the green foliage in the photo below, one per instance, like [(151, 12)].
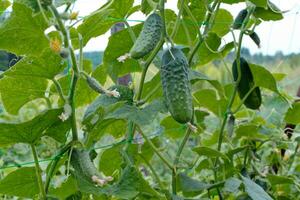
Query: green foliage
[(118, 45), (33, 26), (30, 131), (105, 17), (78, 138), (21, 182)]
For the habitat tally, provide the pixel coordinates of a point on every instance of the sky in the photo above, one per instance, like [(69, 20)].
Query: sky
[(275, 36)]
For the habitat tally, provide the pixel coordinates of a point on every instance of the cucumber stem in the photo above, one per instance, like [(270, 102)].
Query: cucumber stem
[(177, 158), (38, 172), (68, 45), (208, 25)]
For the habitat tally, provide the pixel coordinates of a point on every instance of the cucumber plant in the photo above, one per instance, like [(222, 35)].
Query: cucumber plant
[(178, 131)]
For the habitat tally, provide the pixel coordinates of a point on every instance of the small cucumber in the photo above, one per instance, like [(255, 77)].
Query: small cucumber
[(83, 165), (239, 20), (148, 38), (255, 38), (253, 101)]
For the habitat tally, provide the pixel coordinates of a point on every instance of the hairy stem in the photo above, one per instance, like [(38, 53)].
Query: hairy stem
[(234, 93), (157, 152), (54, 163), (244, 99), (38, 172), (208, 25), (68, 45), (152, 170), (59, 89), (177, 158), (146, 66), (177, 22)]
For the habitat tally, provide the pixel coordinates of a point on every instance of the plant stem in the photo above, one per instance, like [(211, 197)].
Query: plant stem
[(194, 20), (59, 89), (162, 13), (42, 11), (68, 45), (145, 68), (130, 31), (177, 158), (154, 52), (177, 22), (244, 99), (54, 164), (130, 135), (38, 172), (153, 147), (152, 170), (231, 100), (208, 25)]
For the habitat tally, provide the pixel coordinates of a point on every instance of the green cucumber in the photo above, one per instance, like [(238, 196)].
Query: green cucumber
[(253, 101), (176, 85), (239, 20), (83, 165), (255, 38), (148, 38)]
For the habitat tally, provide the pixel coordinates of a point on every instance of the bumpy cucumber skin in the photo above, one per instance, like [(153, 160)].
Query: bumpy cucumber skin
[(246, 83), (148, 38), (83, 165), (238, 22), (126, 94), (176, 85)]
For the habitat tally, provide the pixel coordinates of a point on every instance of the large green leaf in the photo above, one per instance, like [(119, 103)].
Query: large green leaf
[(254, 190), (260, 3), (249, 131), (272, 13), (172, 128), (66, 189), (210, 153), (147, 7), (18, 90), (142, 117), (20, 183), (83, 93), (119, 44), (108, 166), (3, 5), (293, 114), (232, 1), (191, 186), (232, 185), (187, 29), (223, 22), (208, 50), (198, 76), (263, 78), (23, 32), (101, 20), (48, 65), (30, 131), (131, 184), (207, 98), (277, 180)]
